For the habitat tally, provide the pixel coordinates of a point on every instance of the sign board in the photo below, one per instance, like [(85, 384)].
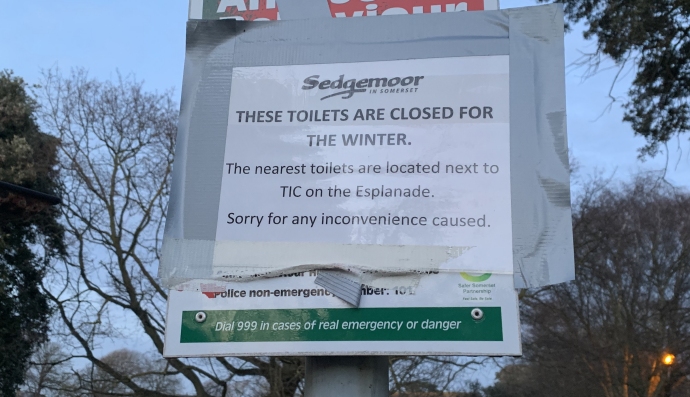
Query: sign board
[(267, 10), (424, 168), (445, 314), (391, 156)]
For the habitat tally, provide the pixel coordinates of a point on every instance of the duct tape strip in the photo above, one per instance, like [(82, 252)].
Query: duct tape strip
[(542, 235), (340, 285), (533, 37)]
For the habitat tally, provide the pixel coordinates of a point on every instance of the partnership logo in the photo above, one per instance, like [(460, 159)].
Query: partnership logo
[(474, 277)]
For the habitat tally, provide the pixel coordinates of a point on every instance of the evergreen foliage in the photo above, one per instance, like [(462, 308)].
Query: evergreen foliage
[(29, 230)]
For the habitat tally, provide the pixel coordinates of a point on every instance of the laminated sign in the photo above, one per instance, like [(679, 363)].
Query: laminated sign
[(367, 185)]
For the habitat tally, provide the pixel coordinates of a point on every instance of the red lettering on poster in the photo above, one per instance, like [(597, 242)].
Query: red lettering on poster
[(360, 8), (266, 10), (249, 10)]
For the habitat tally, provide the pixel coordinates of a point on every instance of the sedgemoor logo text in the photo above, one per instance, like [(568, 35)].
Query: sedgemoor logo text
[(349, 87)]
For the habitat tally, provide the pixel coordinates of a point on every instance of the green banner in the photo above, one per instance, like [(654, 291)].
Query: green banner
[(373, 324)]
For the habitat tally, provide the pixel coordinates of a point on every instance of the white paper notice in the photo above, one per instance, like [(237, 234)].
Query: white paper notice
[(383, 165)]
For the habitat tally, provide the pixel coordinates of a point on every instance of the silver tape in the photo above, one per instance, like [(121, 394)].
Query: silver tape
[(340, 285), (533, 37)]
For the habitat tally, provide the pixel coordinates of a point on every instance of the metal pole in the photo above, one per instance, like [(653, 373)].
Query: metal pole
[(52, 200), (338, 376)]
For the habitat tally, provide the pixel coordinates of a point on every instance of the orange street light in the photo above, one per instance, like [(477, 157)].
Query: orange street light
[(668, 359)]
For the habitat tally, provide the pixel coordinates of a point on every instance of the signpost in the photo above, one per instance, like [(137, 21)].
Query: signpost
[(375, 189)]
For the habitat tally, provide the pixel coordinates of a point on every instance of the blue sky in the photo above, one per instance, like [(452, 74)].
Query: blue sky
[(147, 38)]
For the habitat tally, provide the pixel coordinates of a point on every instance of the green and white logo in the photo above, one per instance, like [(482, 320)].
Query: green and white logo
[(474, 277)]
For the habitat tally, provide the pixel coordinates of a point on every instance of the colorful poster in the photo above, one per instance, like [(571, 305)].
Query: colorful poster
[(267, 10)]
